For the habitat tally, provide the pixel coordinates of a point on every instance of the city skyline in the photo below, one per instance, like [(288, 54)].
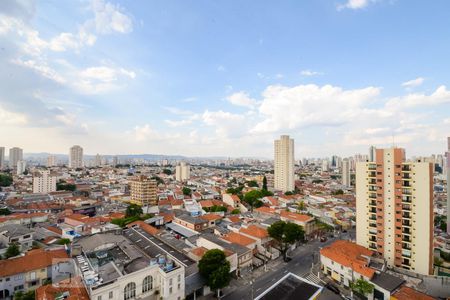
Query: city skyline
[(161, 79)]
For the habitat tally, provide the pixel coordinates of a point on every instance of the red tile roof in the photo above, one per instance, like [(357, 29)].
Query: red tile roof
[(295, 216), (238, 238), (350, 255), (255, 231), (407, 293), (146, 227), (74, 286), (33, 260)]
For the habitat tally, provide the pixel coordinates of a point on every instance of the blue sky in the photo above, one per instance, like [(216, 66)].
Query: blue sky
[(204, 78)]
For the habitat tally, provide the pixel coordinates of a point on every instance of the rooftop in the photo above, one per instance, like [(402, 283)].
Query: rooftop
[(350, 255), (291, 287)]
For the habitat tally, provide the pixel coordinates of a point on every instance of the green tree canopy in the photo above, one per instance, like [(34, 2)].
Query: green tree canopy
[(167, 171), (286, 234), (215, 268), (235, 211), (362, 287), (13, 250), (30, 295), (252, 183), (4, 211), (158, 180), (264, 186), (187, 191), (133, 210), (5, 179), (63, 186)]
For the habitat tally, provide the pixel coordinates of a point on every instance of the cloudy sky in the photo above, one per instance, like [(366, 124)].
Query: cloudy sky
[(204, 78)]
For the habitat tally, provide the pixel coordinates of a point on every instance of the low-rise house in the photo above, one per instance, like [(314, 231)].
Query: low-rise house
[(194, 223), (307, 222), (212, 219), (28, 272), (232, 200), (70, 289), (18, 234)]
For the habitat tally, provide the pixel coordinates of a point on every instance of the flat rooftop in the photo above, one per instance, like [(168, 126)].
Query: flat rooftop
[(291, 287)]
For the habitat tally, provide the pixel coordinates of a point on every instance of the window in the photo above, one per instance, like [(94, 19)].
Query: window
[(129, 292), (147, 284), (179, 277), (170, 290), (170, 281), (111, 295), (99, 298)]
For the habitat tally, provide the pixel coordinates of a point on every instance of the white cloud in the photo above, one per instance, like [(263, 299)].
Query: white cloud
[(110, 18), (241, 99), (310, 105), (440, 96), (221, 68), (12, 118), (41, 68), (354, 4), (310, 73), (413, 83), (143, 133)]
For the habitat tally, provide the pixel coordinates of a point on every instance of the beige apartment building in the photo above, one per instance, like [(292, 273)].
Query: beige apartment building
[(394, 207), (143, 191), (284, 164), (44, 182)]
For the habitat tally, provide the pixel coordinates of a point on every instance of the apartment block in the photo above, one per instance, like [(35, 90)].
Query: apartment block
[(44, 182), (284, 164), (143, 191), (182, 172), (394, 207)]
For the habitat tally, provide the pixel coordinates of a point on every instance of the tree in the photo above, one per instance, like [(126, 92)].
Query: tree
[(133, 210), (289, 193), (252, 183), (187, 191), (30, 295), (63, 241), (362, 287), (285, 234), (13, 250), (5, 179), (63, 186), (235, 211), (264, 187), (301, 206), (167, 172), (338, 192), (158, 180), (4, 211), (251, 197), (215, 268)]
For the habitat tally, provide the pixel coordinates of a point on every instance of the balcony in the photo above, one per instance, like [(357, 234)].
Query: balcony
[(406, 176), (373, 210), (372, 175), (406, 231), (406, 207), (373, 218), (406, 246), (406, 223), (406, 215), (406, 191), (373, 188), (372, 167), (406, 168), (406, 184), (373, 203), (406, 239), (406, 199), (373, 246), (406, 253), (373, 196)]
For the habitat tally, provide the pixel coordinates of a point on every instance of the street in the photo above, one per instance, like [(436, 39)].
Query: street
[(300, 264)]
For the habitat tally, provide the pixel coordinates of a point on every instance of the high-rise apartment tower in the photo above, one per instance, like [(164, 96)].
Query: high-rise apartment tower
[(284, 164), (76, 157), (394, 209)]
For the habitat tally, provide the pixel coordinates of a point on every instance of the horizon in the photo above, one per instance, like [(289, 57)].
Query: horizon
[(209, 79)]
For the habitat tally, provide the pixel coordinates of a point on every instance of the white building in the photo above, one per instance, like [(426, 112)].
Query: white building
[(2, 157), (98, 160), (21, 167), (51, 161), (346, 172), (76, 157), (44, 182), (182, 172), (15, 154), (284, 164), (372, 153), (394, 210)]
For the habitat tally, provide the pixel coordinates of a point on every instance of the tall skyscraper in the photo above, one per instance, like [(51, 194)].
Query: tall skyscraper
[(51, 161), (448, 184), (143, 191), (76, 157), (372, 153), (44, 182), (284, 164), (98, 160), (394, 209), (182, 172), (346, 179), (2, 157), (15, 155)]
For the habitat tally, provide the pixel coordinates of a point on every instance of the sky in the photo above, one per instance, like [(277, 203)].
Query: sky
[(224, 78)]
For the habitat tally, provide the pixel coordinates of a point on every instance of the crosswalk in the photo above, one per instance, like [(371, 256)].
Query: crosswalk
[(313, 278)]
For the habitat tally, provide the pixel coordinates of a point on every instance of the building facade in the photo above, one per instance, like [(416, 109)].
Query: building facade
[(448, 184), (182, 172), (2, 157), (346, 179), (44, 182), (76, 157), (394, 207), (15, 155), (143, 191), (21, 167), (284, 164), (51, 161)]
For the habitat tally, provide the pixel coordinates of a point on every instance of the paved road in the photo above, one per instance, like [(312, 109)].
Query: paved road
[(300, 264)]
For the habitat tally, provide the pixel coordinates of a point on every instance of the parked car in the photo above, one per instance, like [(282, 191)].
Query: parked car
[(333, 288)]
